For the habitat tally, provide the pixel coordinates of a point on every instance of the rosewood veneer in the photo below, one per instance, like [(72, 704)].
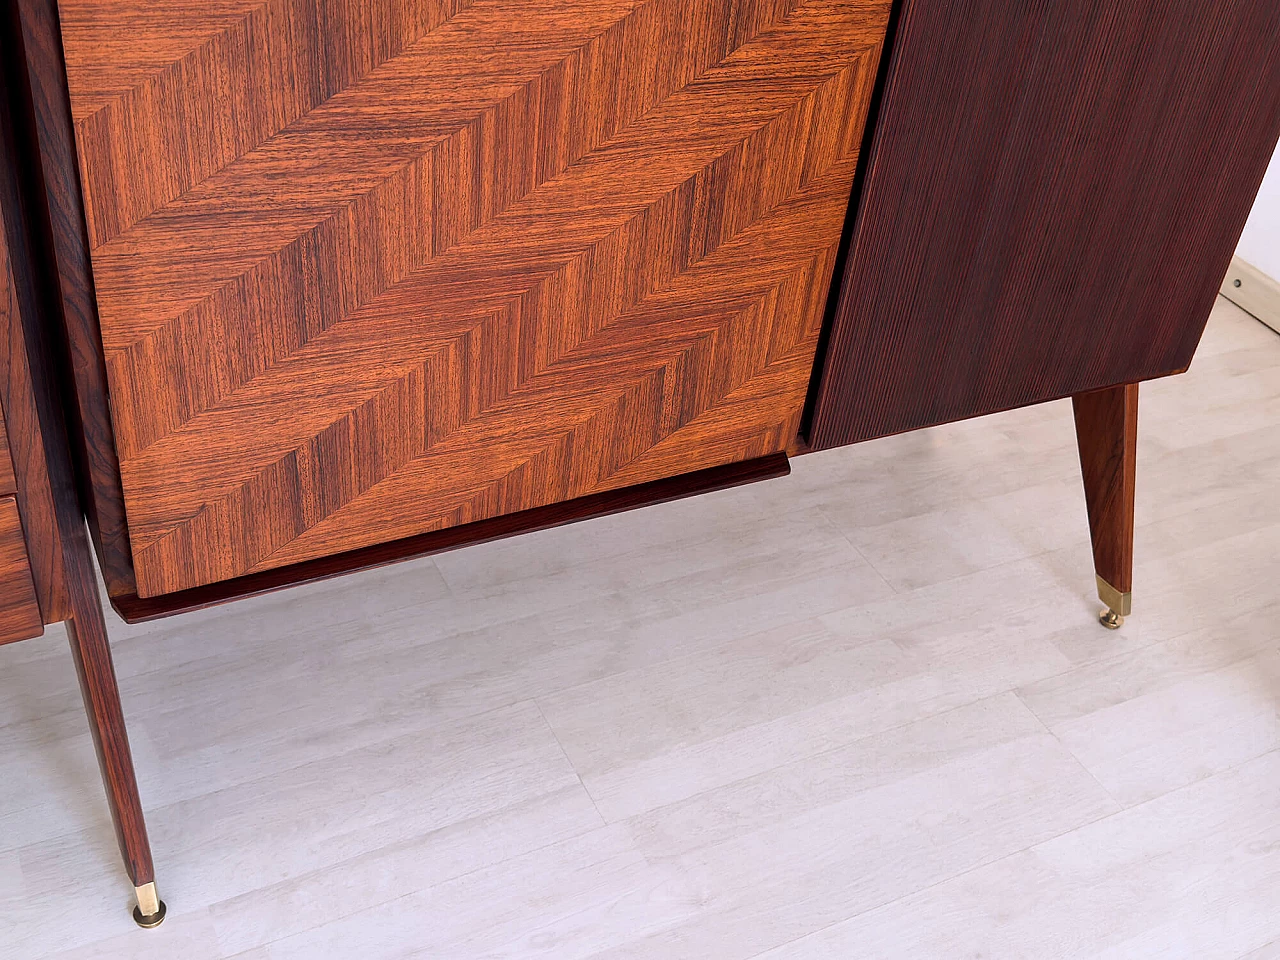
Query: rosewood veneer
[(290, 288)]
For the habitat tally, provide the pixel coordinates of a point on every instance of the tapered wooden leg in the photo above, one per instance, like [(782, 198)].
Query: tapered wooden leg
[(87, 632), (1107, 434)]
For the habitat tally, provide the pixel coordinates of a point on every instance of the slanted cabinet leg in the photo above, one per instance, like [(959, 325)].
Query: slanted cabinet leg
[(1107, 435), (87, 632)]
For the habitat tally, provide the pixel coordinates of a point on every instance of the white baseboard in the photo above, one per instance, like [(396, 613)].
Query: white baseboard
[(1253, 291)]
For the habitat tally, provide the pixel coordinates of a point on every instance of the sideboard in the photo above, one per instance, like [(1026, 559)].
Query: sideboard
[(290, 288)]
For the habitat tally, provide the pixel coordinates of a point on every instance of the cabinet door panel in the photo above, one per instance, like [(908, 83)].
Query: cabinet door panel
[(366, 270), (1053, 194)]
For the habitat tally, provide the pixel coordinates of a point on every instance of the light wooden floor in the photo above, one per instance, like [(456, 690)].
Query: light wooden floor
[(864, 711)]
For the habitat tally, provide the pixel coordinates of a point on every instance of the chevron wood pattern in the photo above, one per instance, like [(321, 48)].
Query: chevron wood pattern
[(370, 269)]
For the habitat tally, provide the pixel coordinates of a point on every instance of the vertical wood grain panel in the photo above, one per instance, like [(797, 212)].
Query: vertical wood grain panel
[(31, 417), (1053, 195), (39, 80)]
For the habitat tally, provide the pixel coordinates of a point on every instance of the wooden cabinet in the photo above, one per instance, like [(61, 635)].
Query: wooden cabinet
[(329, 283)]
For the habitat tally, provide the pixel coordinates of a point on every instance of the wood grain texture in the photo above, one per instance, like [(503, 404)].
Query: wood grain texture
[(53, 514), (1053, 194), (364, 271), (31, 412), (59, 222), (1107, 436), (91, 650), (134, 609), (8, 482), (786, 751), (19, 612)]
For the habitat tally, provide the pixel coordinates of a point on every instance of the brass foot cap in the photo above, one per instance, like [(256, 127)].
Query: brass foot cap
[(1119, 603), (154, 920), (1110, 619)]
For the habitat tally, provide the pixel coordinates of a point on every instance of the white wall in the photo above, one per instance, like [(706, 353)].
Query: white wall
[(1260, 244)]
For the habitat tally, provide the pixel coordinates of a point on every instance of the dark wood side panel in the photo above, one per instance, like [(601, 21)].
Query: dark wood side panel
[(30, 410), (1053, 195), (60, 226), (19, 612), (136, 609)]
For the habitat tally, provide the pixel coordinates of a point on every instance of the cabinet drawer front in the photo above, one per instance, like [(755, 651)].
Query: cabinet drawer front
[(445, 260), (19, 612)]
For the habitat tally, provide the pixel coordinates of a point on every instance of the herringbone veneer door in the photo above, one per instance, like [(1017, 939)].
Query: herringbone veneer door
[(369, 268)]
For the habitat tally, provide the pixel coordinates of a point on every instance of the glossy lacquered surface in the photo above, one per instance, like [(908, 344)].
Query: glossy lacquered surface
[(1054, 192)]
